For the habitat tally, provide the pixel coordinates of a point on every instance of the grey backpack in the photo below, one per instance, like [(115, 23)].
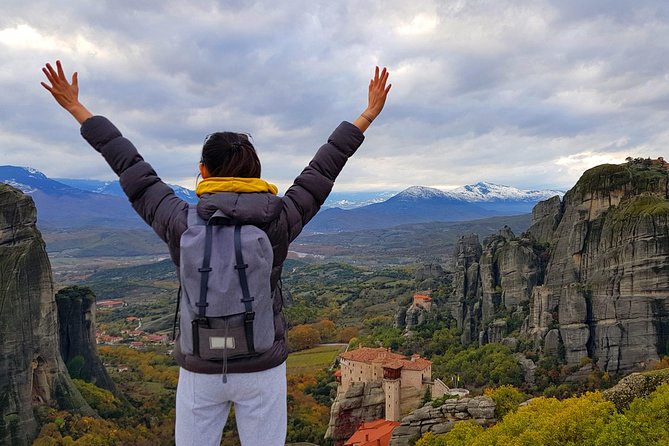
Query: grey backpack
[(226, 301)]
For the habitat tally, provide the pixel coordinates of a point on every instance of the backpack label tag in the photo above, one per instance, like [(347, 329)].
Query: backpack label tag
[(220, 343)]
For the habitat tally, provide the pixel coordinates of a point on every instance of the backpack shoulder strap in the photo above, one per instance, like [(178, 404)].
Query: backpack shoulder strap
[(240, 266), (193, 217)]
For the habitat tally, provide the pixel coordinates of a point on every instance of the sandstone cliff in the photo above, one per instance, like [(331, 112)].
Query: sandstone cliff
[(590, 278), (442, 419), (32, 371), (76, 316), (493, 283), (361, 402)]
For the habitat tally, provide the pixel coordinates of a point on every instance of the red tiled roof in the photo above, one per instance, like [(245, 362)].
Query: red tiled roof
[(395, 365), (367, 354), (369, 432), (386, 358), (417, 364), (421, 296)]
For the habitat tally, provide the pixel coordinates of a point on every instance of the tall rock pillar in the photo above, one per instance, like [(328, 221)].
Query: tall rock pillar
[(32, 371)]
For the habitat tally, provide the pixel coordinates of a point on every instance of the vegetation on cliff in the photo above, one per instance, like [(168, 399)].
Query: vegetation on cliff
[(586, 420), (636, 177)]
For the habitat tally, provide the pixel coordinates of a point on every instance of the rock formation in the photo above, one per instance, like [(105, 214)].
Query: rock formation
[(76, 316), (440, 420), (492, 284), (590, 278), (32, 371), (465, 302), (430, 275), (361, 402), (606, 291), (636, 385)]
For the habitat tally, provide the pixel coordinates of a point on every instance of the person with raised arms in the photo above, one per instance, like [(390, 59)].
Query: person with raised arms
[(233, 194)]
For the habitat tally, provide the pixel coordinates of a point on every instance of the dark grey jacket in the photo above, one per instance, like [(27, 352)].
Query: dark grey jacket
[(282, 218)]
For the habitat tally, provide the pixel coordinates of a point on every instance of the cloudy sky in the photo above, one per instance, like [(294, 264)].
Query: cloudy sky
[(523, 93)]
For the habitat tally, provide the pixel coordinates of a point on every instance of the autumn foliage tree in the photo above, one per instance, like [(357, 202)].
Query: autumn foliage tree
[(302, 337), (587, 420)]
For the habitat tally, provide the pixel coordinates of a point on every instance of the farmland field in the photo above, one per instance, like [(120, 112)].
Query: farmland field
[(316, 358)]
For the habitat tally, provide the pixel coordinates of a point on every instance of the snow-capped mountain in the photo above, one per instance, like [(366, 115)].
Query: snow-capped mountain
[(480, 192), (422, 193), (351, 200), (30, 181), (62, 206), (484, 191), (69, 203), (418, 204)]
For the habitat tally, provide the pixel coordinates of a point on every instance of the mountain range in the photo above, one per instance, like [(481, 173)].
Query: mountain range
[(419, 204), (66, 203)]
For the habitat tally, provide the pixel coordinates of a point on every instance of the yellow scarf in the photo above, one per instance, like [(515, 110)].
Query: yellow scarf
[(234, 184)]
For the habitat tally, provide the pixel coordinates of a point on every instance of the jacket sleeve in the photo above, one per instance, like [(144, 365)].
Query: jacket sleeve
[(153, 200), (310, 189)]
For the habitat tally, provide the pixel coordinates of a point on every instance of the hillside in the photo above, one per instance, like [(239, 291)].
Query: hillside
[(431, 241)]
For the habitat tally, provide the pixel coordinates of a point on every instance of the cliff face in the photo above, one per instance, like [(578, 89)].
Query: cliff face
[(589, 279), (442, 419), (607, 282), (361, 402), (32, 371), (493, 283), (76, 315)]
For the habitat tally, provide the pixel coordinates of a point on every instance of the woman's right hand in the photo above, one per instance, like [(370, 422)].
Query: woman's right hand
[(378, 92), (64, 92)]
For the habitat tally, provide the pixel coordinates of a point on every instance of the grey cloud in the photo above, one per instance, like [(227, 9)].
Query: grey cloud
[(490, 90)]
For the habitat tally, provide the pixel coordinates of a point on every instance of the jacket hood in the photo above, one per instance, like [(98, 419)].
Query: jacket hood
[(241, 208)]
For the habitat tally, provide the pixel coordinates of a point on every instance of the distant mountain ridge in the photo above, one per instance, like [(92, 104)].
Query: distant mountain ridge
[(114, 188), (420, 204), (82, 203), (481, 192), (484, 191)]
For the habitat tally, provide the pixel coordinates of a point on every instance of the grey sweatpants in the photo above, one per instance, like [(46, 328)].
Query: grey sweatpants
[(203, 404)]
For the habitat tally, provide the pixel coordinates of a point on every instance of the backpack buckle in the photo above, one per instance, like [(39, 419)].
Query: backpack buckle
[(201, 322), (249, 316)]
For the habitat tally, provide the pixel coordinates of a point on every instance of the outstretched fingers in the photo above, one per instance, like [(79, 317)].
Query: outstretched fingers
[(380, 80), (61, 73)]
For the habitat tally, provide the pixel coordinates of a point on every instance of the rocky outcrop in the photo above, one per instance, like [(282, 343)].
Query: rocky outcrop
[(465, 301), (76, 316), (429, 276), (414, 315), (442, 419), (493, 283), (606, 290), (32, 371), (361, 402), (636, 385), (590, 278)]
